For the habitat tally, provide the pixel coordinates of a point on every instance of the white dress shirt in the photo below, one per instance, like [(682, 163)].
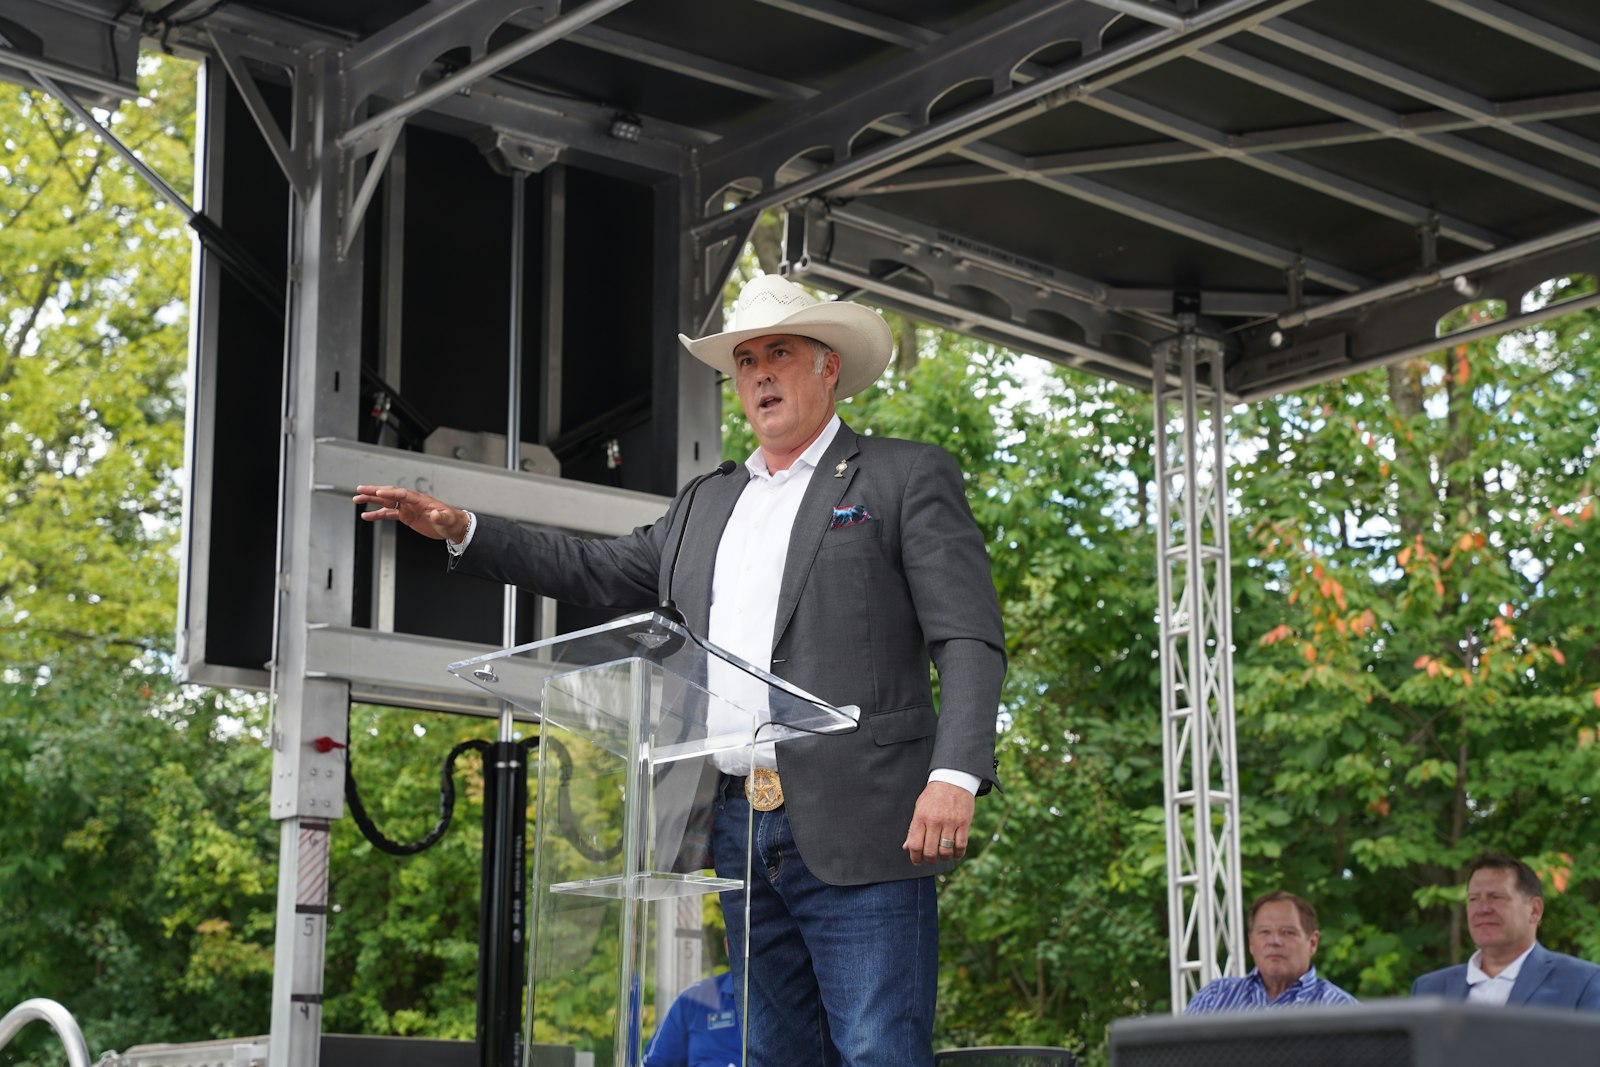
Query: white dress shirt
[(744, 591), (748, 577)]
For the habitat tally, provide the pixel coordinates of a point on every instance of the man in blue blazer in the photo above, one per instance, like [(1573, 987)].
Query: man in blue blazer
[(1505, 902), (845, 564)]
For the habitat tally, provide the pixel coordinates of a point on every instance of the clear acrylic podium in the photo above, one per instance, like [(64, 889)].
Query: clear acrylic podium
[(637, 720)]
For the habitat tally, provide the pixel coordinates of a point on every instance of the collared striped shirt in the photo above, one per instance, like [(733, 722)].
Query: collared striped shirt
[(1250, 992)]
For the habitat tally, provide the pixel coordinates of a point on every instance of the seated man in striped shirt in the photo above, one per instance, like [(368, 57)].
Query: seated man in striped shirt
[(1283, 938)]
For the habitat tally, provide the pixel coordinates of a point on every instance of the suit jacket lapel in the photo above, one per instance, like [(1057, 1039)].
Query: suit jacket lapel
[(811, 522), (1534, 969), (712, 507)]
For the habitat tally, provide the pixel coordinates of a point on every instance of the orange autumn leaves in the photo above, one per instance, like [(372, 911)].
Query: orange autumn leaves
[(1335, 624), (1324, 594)]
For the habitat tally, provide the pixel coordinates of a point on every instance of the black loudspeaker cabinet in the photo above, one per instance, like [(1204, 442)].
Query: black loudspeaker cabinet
[(1422, 1032), (348, 1050)]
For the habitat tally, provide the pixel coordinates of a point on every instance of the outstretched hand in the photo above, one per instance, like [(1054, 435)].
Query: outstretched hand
[(429, 517)]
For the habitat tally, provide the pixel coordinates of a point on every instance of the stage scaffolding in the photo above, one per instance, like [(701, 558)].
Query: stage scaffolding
[(1038, 173)]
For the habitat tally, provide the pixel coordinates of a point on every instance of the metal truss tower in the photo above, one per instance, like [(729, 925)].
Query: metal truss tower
[(1201, 779)]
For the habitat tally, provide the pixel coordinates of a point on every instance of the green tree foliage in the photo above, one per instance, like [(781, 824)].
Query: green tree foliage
[(1418, 666), (402, 949), (133, 859), (93, 274), (1070, 859)]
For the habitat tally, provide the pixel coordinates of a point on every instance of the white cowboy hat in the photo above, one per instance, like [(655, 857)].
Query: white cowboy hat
[(771, 304)]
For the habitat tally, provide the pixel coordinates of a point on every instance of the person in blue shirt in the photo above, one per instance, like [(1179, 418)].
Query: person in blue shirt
[(1283, 938), (701, 1028)]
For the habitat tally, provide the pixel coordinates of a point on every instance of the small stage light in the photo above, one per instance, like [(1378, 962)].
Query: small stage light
[(626, 127)]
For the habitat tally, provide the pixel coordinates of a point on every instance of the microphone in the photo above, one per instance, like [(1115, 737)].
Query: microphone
[(668, 607)]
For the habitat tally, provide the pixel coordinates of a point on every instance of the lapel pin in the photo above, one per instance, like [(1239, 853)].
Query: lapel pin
[(838, 472)]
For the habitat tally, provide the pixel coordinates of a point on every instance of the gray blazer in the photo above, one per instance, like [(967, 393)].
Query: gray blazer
[(862, 609), (1547, 979)]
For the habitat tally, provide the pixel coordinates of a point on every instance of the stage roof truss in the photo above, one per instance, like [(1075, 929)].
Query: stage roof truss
[(1257, 159)]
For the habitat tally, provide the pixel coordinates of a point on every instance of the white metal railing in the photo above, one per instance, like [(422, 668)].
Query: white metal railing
[(60, 1020)]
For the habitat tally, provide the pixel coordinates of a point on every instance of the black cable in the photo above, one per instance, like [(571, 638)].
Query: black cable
[(567, 820), (667, 607), (447, 804)]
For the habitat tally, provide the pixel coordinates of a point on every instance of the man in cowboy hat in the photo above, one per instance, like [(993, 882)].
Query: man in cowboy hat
[(844, 564)]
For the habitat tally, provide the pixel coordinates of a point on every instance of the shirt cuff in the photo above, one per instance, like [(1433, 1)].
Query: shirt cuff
[(457, 549), (969, 782)]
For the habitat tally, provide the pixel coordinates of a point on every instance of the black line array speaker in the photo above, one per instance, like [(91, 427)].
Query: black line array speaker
[(1424, 1032), (447, 265), (349, 1050)]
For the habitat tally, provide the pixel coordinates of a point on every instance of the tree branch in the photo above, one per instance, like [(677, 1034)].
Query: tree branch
[(8, 368), (97, 639)]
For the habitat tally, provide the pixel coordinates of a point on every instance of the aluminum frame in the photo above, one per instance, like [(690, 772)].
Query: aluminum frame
[(1199, 755)]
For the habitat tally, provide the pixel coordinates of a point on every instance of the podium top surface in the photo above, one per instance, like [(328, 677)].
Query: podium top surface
[(647, 675)]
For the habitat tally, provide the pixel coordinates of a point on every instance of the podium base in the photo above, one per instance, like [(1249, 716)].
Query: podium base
[(650, 885)]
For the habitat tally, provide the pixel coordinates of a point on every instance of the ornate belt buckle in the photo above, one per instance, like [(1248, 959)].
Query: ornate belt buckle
[(763, 789)]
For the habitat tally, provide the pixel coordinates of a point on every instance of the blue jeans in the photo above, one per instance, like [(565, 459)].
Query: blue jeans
[(843, 976)]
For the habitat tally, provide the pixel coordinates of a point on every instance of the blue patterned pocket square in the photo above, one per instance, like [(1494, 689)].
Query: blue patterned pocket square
[(851, 515)]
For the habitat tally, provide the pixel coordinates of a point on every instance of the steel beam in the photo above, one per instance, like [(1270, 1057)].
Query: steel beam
[(111, 141), (1198, 751), (1528, 28), (42, 67), (1090, 74), (1290, 169), (580, 125), (978, 121), (315, 573), (390, 319), (978, 323), (1438, 276), (858, 20), (341, 465), (700, 68), (1281, 139), (1171, 219), (1347, 105), (1160, 16), (470, 75), (986, 50), (855, 238), (1392, 75), (1248, 385), (294, 167), (398, 668), (390, 61), (1401, 320), (90, 47)]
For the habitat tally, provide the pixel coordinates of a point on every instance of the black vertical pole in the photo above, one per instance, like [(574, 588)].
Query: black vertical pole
[(501, 909), (502, 906)]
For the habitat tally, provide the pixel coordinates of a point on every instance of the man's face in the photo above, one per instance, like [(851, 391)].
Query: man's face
[(785, 400), (1501, 917), (1279, 943)]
